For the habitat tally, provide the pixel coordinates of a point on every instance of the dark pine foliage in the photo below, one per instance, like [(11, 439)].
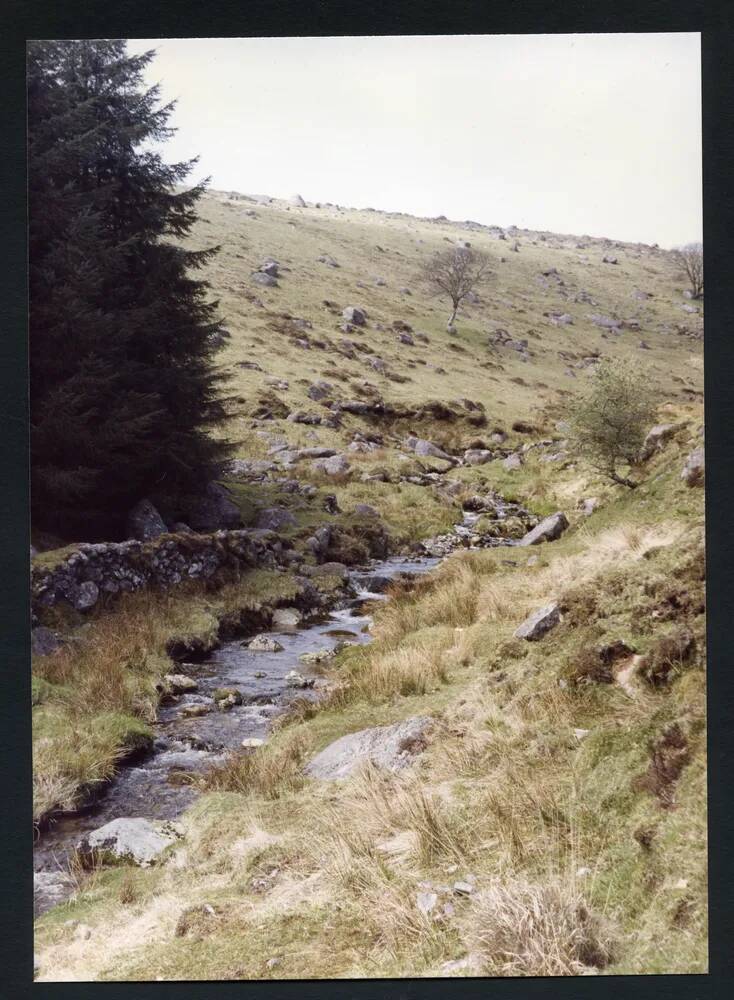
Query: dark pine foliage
[(123, 384)]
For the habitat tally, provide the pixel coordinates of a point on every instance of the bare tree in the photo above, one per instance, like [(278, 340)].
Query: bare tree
[(690, 258), (455, 273)]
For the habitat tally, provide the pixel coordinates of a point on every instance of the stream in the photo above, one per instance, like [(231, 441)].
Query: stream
[(157, 787)]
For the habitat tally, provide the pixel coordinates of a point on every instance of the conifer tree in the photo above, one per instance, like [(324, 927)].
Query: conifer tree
[(122, 334)]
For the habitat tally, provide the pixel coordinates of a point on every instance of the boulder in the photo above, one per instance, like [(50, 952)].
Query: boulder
[(656, 438), (275, 519), (264, 644), (390, 748), (354, 316), (549, 529), (296, 201), (477, 456), (44, 641), (326, 259), (541, 621), (137, 840), (337, 465), (606, 322), (214, 510), (261, 278), (144, 522), (319, 390), (195, 711), (588, 506), (512, 462), (287, 617), (295, 680), (85, 596), (406, 338), (365, 510), (270, 267), (180, 683), (694, 470)]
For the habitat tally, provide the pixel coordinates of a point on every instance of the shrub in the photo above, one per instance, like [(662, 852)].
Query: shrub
[(610, 419)]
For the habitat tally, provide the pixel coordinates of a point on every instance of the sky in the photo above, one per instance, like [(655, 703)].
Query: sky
[(595, 134)]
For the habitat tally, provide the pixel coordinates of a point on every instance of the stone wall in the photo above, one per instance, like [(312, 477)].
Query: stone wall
[(108, 568)]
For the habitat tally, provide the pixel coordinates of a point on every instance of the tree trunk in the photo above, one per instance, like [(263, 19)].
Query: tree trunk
[(452, 317), (622, 480)]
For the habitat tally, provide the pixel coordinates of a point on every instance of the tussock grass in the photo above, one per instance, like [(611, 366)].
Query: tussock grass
[(96, 699), (519, 928), (265, 772)]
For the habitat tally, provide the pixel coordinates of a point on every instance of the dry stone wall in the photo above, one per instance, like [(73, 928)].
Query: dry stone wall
[(96, 569)]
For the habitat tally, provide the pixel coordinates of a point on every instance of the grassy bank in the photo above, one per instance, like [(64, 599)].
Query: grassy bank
[(567, 787), (94, 700)]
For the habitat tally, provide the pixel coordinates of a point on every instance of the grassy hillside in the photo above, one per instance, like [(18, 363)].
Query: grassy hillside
[(563, 780), (370, 245)]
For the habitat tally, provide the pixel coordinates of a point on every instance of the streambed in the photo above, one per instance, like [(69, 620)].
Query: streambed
[(157, 787)]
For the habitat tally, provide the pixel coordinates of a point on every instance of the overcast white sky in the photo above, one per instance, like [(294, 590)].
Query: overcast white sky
[(584, 134)]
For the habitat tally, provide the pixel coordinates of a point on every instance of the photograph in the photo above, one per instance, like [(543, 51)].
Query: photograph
[(367, 468)]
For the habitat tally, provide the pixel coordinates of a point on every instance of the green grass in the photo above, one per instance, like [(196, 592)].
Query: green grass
[(506, 789)]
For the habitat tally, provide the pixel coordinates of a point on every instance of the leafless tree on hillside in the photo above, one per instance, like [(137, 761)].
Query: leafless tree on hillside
[(690, 258), (455, 273)]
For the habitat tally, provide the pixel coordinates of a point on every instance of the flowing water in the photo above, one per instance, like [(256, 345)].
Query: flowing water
[(157, 787)]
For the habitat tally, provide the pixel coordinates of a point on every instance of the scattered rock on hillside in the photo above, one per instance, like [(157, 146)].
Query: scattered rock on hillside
[(405, 338), (269, 267), (512, 462), (328, 260), (354, 316), (541, 621), (477, 456), (137, 840), (426, 449), (656, 438), (560, 319), (695, 468), (296, 201), (261, 278), (275, 519), (365, 510), (304, 417), (335, 466), (214, 510), (549, 529), (144, 522), (606, 322), (609, 260), (264, 643), (391, 748), (319, 390), (588, 506)]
